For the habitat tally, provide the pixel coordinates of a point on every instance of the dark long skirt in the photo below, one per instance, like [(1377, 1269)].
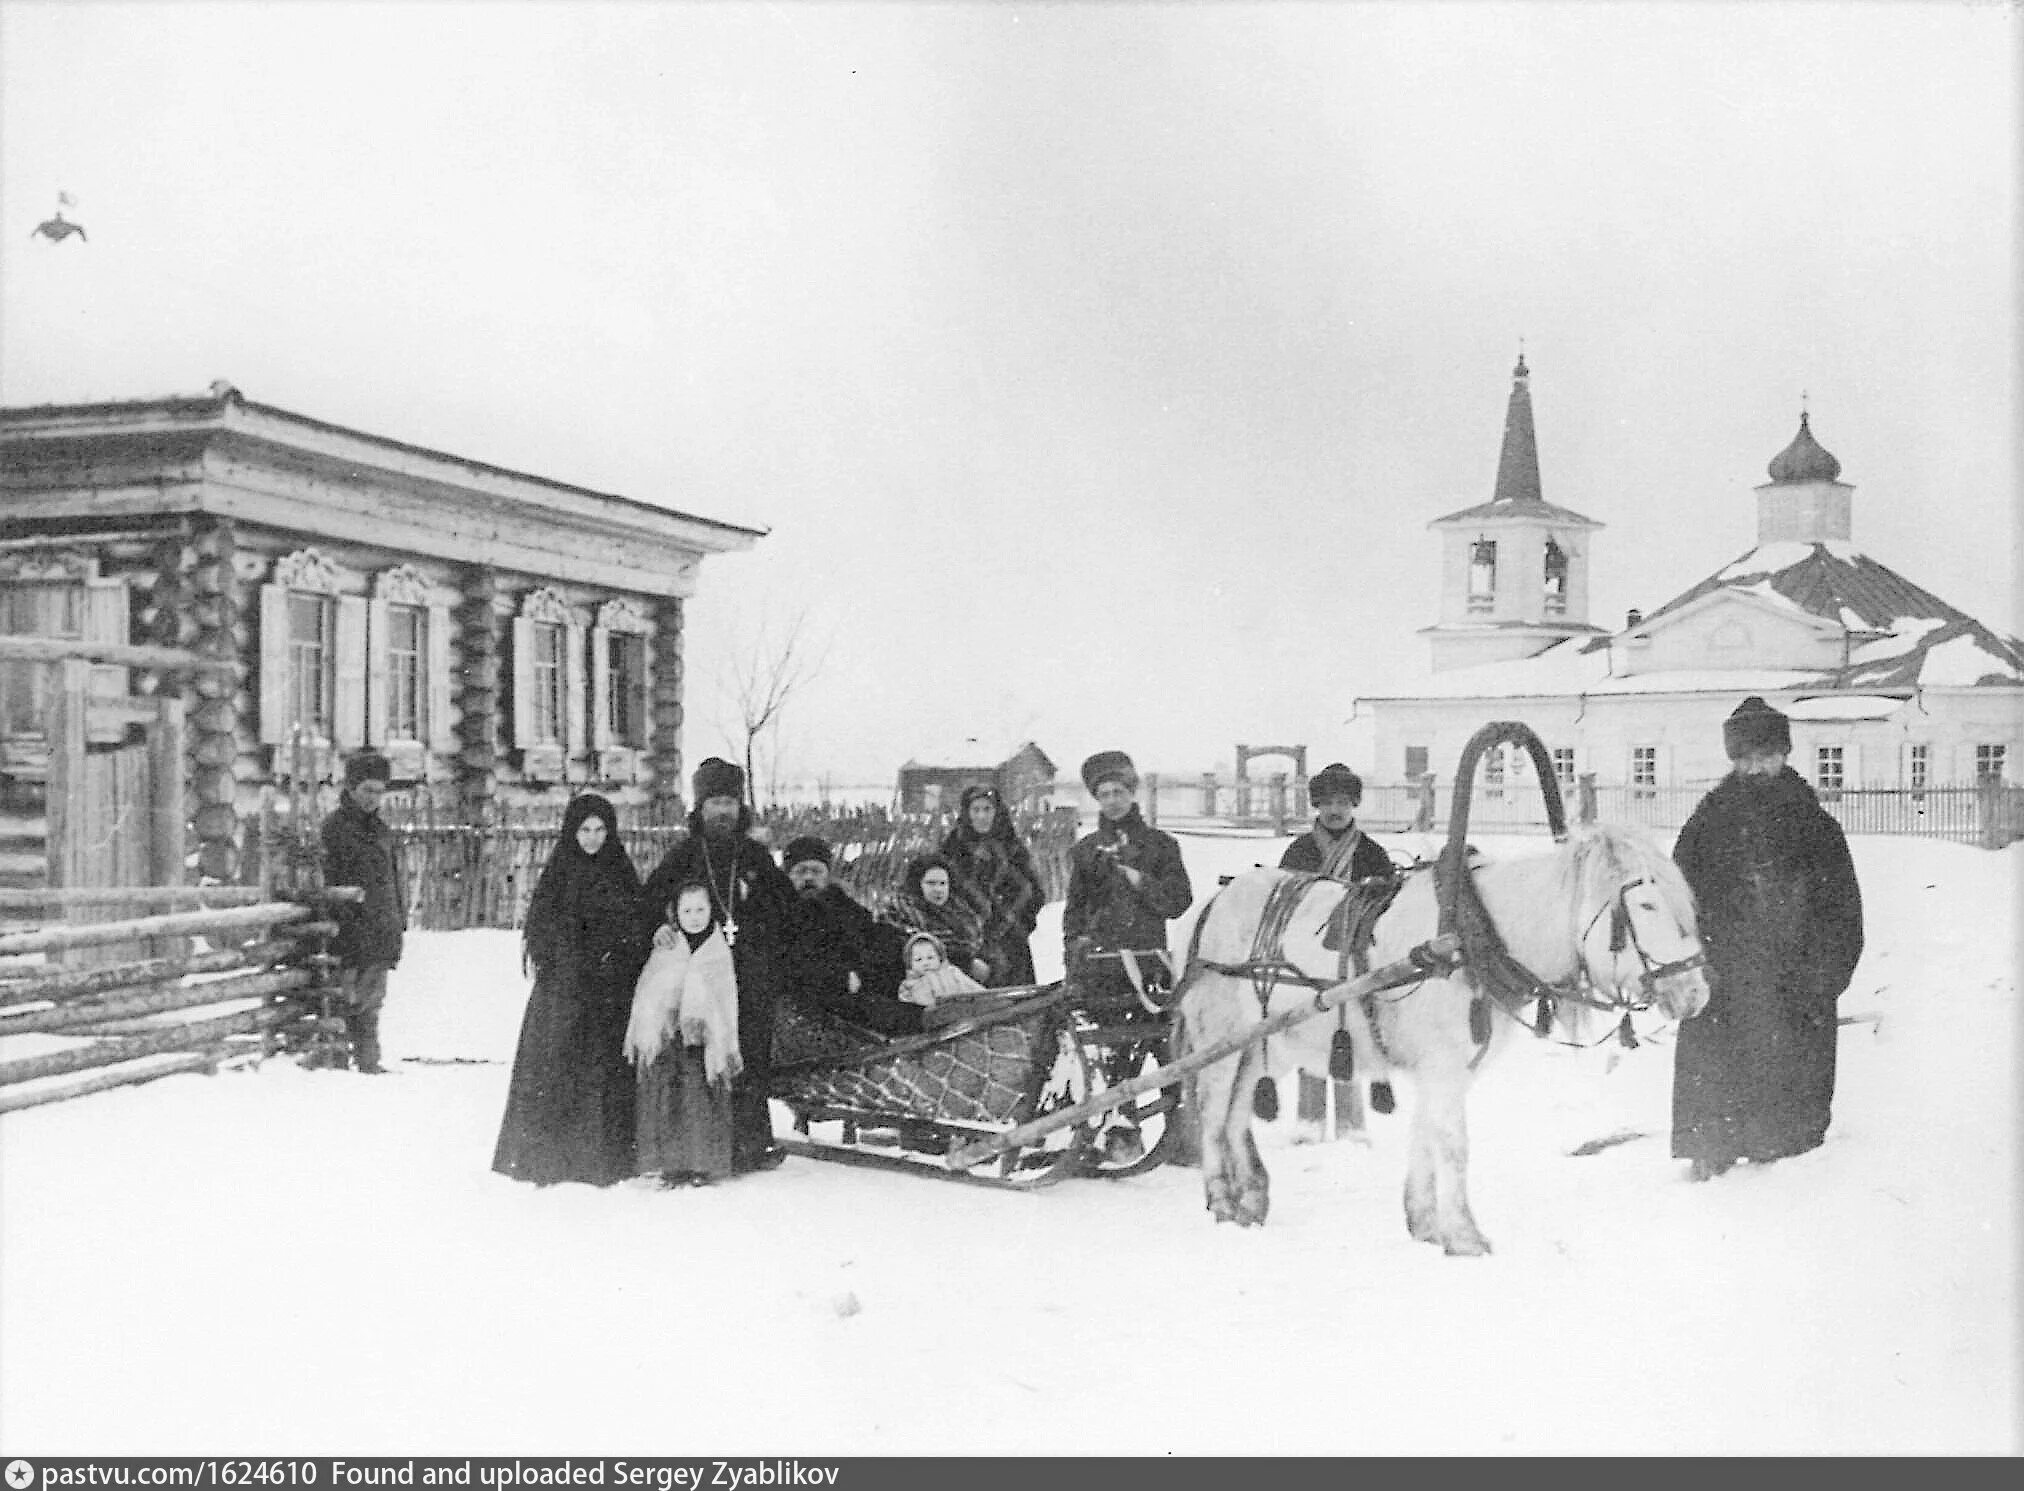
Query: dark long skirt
[(569, 1107), (1011, 960), (1753, 1075), (684, 1122)]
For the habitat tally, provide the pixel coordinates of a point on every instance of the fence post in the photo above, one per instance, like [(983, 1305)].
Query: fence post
[(1275, 798), (1153, 798), (1584, 797), (1208, 794), (1423, 815)]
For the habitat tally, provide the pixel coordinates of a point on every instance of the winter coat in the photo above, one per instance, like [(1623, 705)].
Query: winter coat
[(569, 1104), (358, 849), (999, 873), (835, 937), (958, 923), (1104, 907), (1781, 920), (1309, 853)]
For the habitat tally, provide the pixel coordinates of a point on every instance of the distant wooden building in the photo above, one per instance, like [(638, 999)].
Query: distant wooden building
[(935, 779), (500, 636)]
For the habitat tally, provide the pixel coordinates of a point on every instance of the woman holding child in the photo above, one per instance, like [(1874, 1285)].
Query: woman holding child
[(931, 899), (569, 1105)]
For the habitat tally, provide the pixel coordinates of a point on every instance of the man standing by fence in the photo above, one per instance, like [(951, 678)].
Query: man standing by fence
[(358, 850), (753, 901), (1336, 848)]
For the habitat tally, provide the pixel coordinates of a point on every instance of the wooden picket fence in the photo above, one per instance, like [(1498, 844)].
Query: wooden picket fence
[(260, 983)]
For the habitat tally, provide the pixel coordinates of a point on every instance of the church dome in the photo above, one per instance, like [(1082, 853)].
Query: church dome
[(1804, 459)]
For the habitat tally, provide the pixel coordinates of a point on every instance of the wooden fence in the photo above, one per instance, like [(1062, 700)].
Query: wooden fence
[(1990, 813), (260, 983), (463, 875)]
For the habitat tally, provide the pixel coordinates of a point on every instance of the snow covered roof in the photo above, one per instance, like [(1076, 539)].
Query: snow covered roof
[(1904, 638), (970, 753)]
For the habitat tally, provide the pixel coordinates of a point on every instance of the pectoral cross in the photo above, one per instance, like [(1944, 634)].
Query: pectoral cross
[(730, 931)]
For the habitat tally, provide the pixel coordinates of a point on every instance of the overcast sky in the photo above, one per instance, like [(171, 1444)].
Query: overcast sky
[(1096, 368)]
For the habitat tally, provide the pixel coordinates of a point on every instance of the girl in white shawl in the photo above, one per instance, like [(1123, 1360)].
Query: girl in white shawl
[(683, 1039)]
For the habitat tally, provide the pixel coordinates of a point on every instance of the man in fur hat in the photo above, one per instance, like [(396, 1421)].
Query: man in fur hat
[(753, 902), (1126, 881), (843, 960), (1337, 848), (1781, 919), (358, 850)]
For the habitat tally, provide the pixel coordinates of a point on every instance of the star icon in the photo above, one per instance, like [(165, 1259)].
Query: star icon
[(20, 1475)]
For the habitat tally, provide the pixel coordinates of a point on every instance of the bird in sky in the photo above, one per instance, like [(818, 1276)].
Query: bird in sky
[(59, 227)]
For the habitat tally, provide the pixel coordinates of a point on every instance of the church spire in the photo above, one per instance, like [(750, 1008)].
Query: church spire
[(1518, 464)]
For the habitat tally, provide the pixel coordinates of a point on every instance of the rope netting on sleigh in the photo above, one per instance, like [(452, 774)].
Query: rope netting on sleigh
[(991, 1074)]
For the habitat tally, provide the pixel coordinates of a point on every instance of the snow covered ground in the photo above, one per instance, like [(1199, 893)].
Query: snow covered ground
[(284, 1261)]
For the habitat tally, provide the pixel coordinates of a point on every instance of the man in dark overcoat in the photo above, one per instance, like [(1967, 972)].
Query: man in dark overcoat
[(843, 960), (753, 902), (1337, 848), (358, 849), (1126, 880), (1781, 919)]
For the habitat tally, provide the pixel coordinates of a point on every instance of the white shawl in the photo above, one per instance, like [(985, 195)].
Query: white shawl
[(695, 993)]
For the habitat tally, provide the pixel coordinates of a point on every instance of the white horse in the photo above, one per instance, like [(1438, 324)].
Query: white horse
[(1605, 919)]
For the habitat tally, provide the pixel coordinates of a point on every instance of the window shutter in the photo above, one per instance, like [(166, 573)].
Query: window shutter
[(441, 736), (377, 642), (600, 688), (105, 620), (347, 724), (274, 665), (523, 683), (575, 689)]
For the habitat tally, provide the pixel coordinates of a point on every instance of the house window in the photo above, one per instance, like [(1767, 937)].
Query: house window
[(406, 650), (34, 608), (1416, 762), (1830, 768), (628, 689), (1989, 763), (1563, 765), (1918, 765), (546, 673), (1556, 578), (1644, 766), (312, 664), (1493, 772), (1482, 574)]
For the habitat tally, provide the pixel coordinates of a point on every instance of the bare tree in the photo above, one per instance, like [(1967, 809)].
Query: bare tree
[(762, 679)]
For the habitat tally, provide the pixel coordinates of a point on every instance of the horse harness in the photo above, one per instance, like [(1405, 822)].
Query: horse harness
[(1505, 983)]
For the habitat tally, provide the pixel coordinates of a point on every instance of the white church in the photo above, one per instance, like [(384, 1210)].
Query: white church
[(1887, 685)]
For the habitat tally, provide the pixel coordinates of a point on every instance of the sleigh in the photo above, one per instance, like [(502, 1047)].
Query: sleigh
[(1014, 1061)]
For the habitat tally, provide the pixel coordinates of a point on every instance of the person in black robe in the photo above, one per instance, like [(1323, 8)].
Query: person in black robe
[(753, 903), (569, 1105), (843, 962), (1781, 920), (985, 852)]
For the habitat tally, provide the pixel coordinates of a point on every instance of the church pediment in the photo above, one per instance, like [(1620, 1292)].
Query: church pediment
[(1731, 628)]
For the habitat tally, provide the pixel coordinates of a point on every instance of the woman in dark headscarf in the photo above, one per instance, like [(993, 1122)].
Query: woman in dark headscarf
[(986, 855), (933, 900), (569, 1108)]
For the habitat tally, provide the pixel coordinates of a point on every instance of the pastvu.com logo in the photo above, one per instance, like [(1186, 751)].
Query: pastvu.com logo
[(20, 1475)]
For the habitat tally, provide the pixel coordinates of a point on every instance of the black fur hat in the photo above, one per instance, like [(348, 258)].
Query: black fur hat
[(1109, 766), (1335, 780), (367, 766), (1756, 726), (717, 777), (804, 849)]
